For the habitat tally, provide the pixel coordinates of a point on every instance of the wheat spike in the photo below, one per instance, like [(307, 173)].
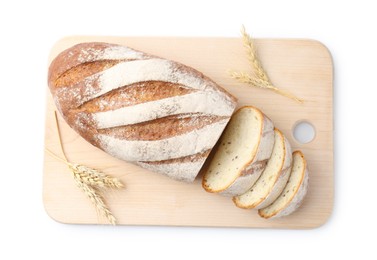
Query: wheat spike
[(251, 54), (94, 177)]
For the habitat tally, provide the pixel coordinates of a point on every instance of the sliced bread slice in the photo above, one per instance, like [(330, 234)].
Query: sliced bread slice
[(242, 153), (273, 179), (294, 192)]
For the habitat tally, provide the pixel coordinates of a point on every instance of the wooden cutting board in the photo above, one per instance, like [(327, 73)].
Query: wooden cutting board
[(303, 67)]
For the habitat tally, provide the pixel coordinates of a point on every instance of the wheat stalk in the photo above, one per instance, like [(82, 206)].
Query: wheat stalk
[(251, 54), (89, 180), (260, 78)]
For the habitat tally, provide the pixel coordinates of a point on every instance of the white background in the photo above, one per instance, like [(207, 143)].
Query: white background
[(29, 29)]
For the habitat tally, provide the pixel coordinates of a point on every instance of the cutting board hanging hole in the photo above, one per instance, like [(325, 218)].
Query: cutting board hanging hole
[(303, 132)]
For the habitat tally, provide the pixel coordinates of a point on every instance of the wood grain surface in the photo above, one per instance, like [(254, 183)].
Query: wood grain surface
[(303, 67)]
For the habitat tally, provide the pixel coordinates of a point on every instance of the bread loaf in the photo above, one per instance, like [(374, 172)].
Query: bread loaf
[(294, 192), (273, 179), (157, 113), (242, 154)]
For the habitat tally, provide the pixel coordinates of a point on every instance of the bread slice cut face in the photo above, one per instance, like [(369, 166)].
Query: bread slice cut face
[(242, 153), (273, 179), (294, 192)]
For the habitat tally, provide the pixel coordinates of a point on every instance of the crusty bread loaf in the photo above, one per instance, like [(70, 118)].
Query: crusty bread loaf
[(159, 114), (294, 192), (242, 153), (273, 179)]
